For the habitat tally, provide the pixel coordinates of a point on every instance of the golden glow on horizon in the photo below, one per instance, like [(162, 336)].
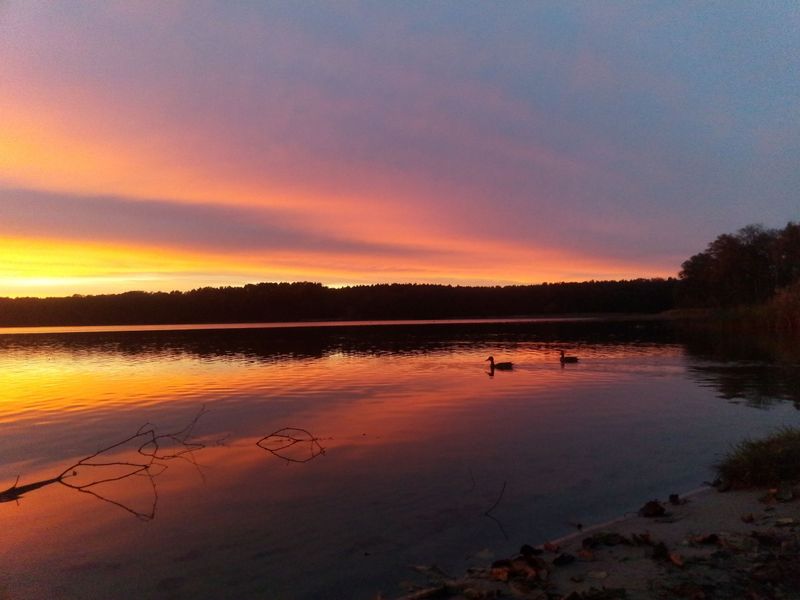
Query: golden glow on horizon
[(39, 153), (373, 165), (64, 267)]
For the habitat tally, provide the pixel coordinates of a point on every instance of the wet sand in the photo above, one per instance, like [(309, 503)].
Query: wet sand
[(706, 545)]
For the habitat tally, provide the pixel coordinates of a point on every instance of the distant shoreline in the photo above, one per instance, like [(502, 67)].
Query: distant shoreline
[(306, 301), (311, 324)]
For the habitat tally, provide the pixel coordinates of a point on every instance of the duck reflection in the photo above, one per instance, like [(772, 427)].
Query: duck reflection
[(108, 473), (498, 366)]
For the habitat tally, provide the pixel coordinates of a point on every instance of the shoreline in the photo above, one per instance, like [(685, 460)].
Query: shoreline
[(707, 545), (332, 323), (578, 535)]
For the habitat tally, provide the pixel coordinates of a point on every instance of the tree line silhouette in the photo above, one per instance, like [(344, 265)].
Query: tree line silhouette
[(750, 267), (312, 301), (745, 268)]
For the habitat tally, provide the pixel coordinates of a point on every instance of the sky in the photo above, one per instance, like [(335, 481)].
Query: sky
[(174, 145)]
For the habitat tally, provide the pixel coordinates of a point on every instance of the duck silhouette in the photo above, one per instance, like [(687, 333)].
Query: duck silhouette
[(567, 359), (501, 366)]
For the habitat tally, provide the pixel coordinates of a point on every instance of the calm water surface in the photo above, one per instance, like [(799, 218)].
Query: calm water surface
[(413, 441)]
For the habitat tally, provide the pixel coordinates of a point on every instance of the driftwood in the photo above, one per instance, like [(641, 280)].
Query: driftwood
[(15, 492), (292, 444), (151, 452)]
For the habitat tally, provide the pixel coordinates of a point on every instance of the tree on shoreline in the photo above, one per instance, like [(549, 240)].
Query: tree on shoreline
[(745, 268)]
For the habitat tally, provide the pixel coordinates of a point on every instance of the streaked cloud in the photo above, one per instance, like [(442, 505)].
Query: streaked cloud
[(364, 142), (161, 224)]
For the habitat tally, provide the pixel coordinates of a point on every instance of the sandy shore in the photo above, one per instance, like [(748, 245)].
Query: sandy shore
[(706, 545)]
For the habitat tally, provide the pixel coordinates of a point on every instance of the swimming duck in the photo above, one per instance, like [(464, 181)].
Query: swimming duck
[(567, 359), (501, 366)]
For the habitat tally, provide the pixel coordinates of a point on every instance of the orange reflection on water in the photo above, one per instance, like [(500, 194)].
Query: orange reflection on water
[(56, 383), (386, 422), (369, 390)]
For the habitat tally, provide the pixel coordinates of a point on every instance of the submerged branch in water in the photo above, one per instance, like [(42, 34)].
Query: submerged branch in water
[(150, 451), (281, 442), (489, 514), (15, 492)]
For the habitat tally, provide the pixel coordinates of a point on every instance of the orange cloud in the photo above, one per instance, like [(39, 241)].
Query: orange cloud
[(52, 267), (44, 154), (354, 169)]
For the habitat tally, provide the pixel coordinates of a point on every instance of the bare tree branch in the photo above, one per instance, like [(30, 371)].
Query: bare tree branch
[(489, 514), (147, 445), (279, 442)]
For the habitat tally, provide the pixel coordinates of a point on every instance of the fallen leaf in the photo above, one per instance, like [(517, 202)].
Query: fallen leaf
[(520, 566), (585, 554), (499, 573), (676, 559)]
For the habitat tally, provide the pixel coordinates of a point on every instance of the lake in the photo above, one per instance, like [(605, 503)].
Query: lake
[(325, 461)]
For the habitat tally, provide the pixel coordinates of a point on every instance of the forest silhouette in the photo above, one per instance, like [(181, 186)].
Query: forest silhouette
[(751, 267), (742, 269), (304, 301)]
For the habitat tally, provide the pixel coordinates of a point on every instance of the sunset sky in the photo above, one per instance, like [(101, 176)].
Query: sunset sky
[(172, 145)]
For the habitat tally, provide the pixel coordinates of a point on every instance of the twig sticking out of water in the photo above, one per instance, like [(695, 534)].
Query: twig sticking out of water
[(472, 479), (153, 448), (279, 443), (496, 502), (488, 512), (15, 492)]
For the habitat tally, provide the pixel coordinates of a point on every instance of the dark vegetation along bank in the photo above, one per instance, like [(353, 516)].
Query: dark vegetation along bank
[(744, 268), (773, 461), (313, 301), (752, 276)]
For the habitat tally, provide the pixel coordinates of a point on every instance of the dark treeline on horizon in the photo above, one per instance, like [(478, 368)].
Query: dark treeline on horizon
[(746, 268), (303, 301), (749, 268)]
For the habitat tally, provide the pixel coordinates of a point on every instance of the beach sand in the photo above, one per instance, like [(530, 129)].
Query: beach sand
[(706, 545)]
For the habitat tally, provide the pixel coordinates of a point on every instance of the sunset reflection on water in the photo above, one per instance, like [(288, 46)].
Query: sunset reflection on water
[(418, 441)]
